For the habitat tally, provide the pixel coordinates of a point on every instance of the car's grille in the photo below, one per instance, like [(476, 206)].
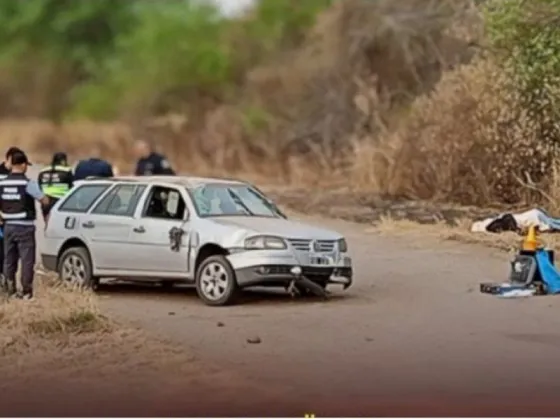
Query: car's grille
[(301, 244), (324, 246), (304, 245)]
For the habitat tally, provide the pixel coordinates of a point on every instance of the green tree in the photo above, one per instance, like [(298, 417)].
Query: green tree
[(525, 35), (78, 30), (108, 58), (176, 46), (58, 42)]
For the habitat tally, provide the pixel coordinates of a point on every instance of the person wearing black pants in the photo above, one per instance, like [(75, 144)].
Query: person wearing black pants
[(18, 194), (5, 167)]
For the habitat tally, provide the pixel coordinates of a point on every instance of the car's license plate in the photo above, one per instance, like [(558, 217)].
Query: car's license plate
[(322, 260)]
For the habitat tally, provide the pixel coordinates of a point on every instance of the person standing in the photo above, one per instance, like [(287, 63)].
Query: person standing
[(17, 207), (149, 162), (55, 181), (4, 172), (93, 167)]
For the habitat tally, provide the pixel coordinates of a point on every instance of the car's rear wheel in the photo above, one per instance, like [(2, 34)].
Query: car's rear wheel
[(216, 284), (74, 267)]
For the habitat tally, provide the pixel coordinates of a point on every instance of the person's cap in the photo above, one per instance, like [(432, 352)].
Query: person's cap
[(11, 151), (60, 156), (19, 157)]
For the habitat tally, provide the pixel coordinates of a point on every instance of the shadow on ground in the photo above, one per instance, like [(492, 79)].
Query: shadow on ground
[(188, 294)]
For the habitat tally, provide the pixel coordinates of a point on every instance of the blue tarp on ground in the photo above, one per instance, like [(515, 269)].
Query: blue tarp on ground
[(549, 273)]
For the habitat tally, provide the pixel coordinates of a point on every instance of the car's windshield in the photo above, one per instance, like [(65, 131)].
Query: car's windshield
[(212, 200)]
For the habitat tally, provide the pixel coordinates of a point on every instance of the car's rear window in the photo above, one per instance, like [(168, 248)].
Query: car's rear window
[(83, 197)]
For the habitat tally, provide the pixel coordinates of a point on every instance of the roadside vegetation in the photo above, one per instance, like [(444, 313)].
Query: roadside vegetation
[(435, 100)]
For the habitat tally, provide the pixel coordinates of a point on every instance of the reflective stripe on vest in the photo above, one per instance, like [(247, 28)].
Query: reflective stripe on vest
[(56, 190), (17, 216), (13, 182), (61, 168)]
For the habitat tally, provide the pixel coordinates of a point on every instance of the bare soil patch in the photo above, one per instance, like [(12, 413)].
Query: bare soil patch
[(61, 356)]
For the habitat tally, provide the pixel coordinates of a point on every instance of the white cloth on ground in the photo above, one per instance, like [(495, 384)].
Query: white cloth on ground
[(536, 217)]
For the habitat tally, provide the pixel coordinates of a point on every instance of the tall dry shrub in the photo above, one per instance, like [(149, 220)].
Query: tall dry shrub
[(470, 141), (309, 93)]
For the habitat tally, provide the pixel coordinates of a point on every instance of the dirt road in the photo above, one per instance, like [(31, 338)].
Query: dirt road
[(412, 336)]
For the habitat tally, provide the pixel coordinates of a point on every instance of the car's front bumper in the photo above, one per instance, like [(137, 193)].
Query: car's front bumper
[(255, 268)]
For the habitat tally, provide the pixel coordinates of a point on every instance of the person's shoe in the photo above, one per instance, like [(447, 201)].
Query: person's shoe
[(11, 291), (27, 297)]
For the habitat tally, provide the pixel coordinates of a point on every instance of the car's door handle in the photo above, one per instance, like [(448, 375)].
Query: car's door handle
[(89, 224), (139, 229)]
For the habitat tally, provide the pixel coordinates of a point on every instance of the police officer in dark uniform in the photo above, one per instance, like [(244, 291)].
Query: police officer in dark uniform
[(149, 162), (4, 172), (93, 167), (17, 207), (55, 181)]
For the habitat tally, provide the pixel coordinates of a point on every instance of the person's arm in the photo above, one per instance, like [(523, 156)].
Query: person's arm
[(70, 179), (138, 171), (40, 179), (77, 172), (35, 191), (109, 171)]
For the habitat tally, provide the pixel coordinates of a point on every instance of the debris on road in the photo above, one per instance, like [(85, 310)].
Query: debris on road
[(220, 324), (532, 271), (254, 340)]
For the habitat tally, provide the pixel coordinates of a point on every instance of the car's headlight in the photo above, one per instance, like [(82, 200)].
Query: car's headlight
[(342, 245), (265, 242)]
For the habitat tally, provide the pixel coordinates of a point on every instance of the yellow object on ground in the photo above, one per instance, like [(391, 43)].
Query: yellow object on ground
[(531, 242)]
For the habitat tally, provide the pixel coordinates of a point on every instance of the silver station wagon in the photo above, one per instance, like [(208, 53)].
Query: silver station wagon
[(220, 235)]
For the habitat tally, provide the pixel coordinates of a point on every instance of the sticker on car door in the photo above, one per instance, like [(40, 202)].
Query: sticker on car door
[(70, 223)]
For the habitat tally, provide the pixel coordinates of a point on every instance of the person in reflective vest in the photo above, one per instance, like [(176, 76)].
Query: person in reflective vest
[(5, 168), (17, 208), (55, 181)]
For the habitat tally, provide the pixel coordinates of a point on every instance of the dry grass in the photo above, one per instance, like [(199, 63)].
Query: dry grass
[(460, 232), (58, 315)]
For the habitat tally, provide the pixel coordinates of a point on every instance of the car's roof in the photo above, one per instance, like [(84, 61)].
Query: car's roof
[(186, 181)]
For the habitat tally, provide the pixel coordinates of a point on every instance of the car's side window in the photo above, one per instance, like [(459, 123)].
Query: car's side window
[(165, 203), (82, 198), (122, 200)]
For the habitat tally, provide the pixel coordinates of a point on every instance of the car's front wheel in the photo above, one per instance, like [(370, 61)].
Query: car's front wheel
[(74, 267), (216, 284)]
